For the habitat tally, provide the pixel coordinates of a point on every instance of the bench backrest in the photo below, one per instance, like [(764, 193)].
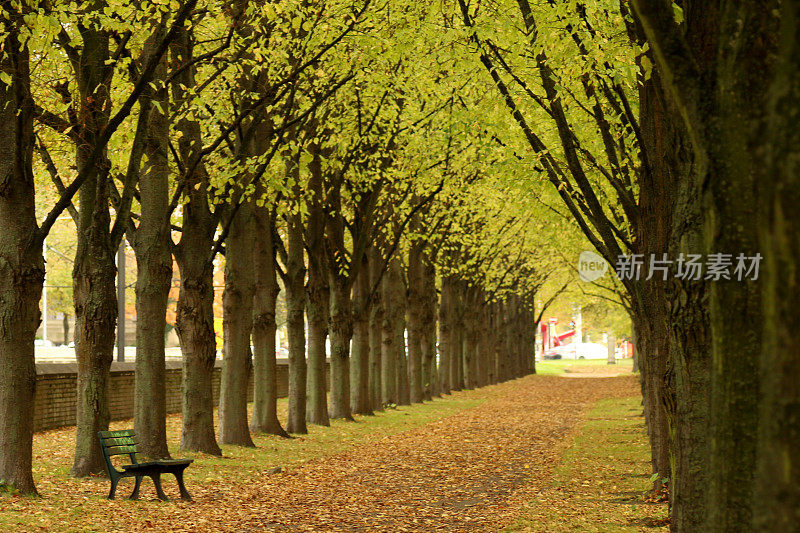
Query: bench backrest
[(118, 443)]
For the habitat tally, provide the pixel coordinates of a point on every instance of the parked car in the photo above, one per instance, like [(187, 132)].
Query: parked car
[(566, 351), (551, 354), (581, 350)]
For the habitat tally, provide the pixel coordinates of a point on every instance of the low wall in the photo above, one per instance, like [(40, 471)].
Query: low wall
[(56, 391)]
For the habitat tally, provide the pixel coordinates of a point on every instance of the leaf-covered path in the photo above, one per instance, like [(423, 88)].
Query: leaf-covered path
[(471, 471)]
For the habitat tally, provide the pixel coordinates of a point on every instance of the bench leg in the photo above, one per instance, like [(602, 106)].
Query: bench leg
[(156, 477), (135, 493), (184, 493), (113, 490)]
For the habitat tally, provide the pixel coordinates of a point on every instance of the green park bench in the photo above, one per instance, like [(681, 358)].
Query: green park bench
[(123, 443)]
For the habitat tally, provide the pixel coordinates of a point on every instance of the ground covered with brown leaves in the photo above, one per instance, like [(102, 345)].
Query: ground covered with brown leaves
[(472, 462)]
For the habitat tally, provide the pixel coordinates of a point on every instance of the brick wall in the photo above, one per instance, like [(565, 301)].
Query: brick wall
[(56, 391)]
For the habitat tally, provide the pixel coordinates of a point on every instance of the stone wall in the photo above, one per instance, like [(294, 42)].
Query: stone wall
[(56, 391)]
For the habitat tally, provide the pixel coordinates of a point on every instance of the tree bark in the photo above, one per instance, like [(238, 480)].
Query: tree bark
[(445, 335), (430, 381), (672, 215), (360, 399), (457, 335), (415, 311), (237, 303), (776, 505), (317, 311), (265, 372), (401, 374), (194, 321), (21, 266), (319, 297), (295, 324), (376, 312), (93, 276), (341, 329), (152, 245), (714, 69), (388, 334)]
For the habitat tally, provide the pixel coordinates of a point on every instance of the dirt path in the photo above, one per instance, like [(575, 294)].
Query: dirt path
[(469, 472)]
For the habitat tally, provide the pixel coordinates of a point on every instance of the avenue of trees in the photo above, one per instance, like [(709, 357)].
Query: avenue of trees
[(300, 147), (406, 172)]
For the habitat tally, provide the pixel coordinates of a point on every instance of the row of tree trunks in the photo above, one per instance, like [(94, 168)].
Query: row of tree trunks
[(737, 107)]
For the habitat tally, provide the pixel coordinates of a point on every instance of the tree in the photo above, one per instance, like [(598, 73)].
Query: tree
[(721, 85), (21, 261)]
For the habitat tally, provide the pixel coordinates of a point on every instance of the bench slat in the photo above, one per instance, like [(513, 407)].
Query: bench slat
[(121, 433), (120, 450), (119, 441)]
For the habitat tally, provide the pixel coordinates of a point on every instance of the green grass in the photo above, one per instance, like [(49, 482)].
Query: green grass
[(602, 481), (560, 366)]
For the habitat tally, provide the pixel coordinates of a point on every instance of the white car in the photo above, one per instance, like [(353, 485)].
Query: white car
[(591, 350)]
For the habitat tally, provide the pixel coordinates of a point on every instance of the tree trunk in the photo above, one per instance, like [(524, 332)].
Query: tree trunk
[(95, 321), (445, 335), (94, 272), (470, 336), (777, 502), (403, 393), (376, 312), (318, 310), (457, 336), (653, 370), (152, 245), (776, 506), (194, 322), (672, 215), (431, 386), (388, 334), (731, 226), (415, 311), (295, 324), (360, 399), (237, 303), (319, 296), (341, 328), (265, 372), (720, 100), (65, 328), (21, 266)]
